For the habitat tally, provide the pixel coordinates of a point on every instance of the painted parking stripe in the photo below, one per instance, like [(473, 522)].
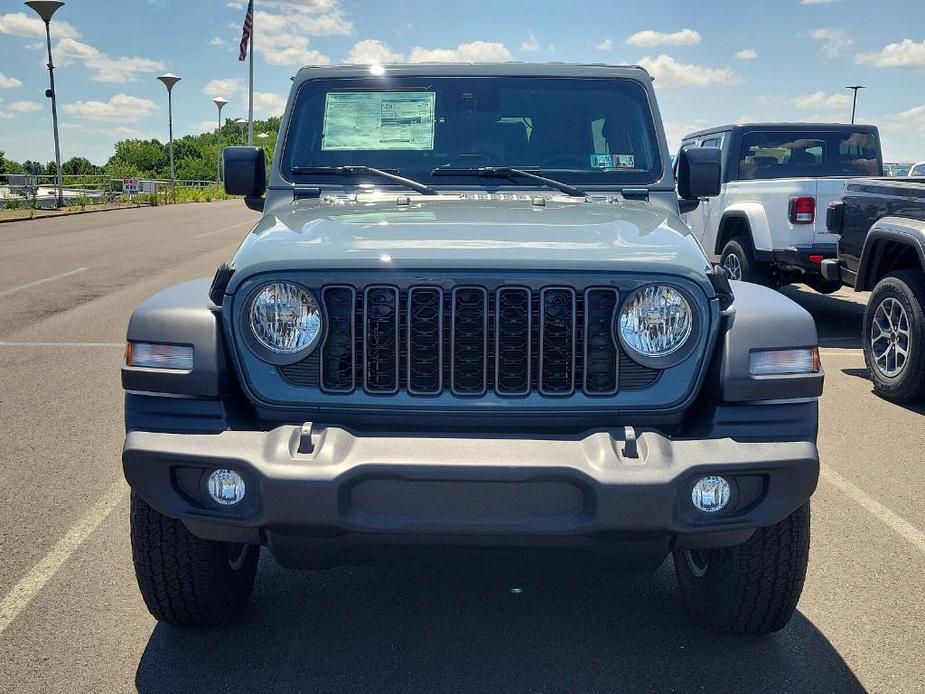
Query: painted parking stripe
[(30, 585), (897, 524), (36, 283), (62, 344), (219, 231)]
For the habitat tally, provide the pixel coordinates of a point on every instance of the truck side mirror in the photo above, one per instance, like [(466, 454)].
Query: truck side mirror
[(246, 174), (699, 173)]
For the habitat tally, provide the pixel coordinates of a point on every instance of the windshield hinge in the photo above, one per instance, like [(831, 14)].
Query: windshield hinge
[(635, 193), (306, 192)]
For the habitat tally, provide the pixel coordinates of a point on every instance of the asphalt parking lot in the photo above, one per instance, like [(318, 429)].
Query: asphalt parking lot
[(71, 619)]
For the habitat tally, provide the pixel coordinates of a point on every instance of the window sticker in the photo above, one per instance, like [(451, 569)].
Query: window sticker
[(606, 162), (378, 121), (624, 161), (601, 161)]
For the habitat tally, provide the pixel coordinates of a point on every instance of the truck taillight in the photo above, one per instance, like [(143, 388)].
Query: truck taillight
[(802, 210)]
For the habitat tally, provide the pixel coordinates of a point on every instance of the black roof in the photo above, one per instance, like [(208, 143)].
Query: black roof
[(781, 126)]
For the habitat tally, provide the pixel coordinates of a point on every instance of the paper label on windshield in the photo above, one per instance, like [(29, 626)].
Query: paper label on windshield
[(378, 120)]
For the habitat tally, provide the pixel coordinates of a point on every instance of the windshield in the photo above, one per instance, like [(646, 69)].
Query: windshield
[(802, 154), (582, 131)]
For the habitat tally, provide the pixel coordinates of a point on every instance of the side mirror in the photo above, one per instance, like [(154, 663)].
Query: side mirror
[(699, 173), (245, 173)]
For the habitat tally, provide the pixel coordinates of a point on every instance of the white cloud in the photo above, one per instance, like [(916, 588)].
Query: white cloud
[(120, 107), (834, 41), (9, 82), (912, 119), (102, 67), (531, 44), (224, 87), (605, 45), (473, 52), (905, 54), (24, 107), (217, 41), (669, 73), (266, 103), (649, 38), (746, 54), (372, 52), (204, 126), (821, 100), (29, 25), (283, 28)]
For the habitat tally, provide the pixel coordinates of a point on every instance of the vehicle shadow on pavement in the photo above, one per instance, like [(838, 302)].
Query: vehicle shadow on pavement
[(477, 630), (838, 319)]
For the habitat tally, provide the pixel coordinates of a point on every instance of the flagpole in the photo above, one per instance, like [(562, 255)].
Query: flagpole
[(250, 95)]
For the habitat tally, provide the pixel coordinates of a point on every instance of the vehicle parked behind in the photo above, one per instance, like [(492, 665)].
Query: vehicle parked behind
[(917, 170), (764, 227), (881, 249)]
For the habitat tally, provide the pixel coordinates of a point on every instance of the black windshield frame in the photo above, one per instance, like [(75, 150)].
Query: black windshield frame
[(305, 125)]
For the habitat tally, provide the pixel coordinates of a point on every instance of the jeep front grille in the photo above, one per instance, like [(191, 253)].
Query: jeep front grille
[(469, 340)]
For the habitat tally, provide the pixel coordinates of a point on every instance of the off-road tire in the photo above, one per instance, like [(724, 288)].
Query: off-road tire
[(187, 581), (908, 288), (749, 269), (752, 588)]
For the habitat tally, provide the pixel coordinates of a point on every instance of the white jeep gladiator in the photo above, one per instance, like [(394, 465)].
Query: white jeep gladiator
[(766, 226)]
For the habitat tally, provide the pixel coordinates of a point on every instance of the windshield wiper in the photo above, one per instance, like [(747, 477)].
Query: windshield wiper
[(508, 172), (352, 169)]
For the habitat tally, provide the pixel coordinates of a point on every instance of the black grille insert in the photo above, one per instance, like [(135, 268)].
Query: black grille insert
[(557, 341), (338, 355), (469, 346), (425, 340), (600, 352), (380, 339), (513, 338)]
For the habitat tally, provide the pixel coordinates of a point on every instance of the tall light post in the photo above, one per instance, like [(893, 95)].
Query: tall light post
[(45, 9), (242, 124), (220, 102), (169, 80), (854, 103)]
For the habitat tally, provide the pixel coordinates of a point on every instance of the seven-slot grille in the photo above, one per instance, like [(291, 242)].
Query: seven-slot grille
[(469, 340)]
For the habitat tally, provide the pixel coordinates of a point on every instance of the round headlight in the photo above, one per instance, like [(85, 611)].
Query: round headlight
[(655, 321), (285, 318)]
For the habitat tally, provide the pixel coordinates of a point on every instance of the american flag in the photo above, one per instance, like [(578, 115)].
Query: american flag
[(246, 31)]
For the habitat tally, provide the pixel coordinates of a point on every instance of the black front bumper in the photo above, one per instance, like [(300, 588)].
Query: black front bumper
[(353, 493)]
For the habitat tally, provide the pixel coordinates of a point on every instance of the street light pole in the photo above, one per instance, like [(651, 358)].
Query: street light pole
[(242, 125), (45, 9), (220, 102), (854, 103), (169, 80)]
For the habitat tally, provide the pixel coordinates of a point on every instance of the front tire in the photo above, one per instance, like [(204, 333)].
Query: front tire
[(752, 588), (894, 336), (187, 581), (739, 262)]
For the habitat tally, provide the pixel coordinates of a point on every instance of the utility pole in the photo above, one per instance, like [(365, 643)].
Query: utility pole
[(854, 103)]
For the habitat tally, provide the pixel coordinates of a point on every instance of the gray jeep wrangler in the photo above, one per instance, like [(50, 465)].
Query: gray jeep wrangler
[(471, 324)]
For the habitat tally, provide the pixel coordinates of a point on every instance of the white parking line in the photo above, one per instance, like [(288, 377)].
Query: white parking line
[(898, 525), (62, 344), (841, 352), (219, 231), (21, 594), (30, 285)]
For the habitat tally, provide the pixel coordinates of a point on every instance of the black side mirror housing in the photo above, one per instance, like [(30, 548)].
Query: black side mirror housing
[(699, 172), (245, 171)]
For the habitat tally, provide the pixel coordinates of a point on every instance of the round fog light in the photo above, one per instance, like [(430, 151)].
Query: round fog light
[(226, 487), (711, 494)]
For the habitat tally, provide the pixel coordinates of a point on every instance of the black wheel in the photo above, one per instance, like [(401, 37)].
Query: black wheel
[(739, 262), (184, 580), (752, 588), (894, 336)]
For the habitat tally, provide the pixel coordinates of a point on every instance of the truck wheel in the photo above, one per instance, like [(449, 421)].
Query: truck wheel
[(752, 588), (894, 336), (740, 264), (184, 580)]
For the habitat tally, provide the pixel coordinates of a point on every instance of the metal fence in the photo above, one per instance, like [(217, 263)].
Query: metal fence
[(19, 191)]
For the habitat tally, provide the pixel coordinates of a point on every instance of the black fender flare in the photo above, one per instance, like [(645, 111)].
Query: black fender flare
[(902, 230), (721, 238)]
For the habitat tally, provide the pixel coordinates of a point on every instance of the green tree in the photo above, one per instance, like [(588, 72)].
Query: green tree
[(79, 166), (33, 167)]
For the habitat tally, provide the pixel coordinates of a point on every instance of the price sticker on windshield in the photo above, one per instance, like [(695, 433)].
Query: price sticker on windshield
[(378, 121)]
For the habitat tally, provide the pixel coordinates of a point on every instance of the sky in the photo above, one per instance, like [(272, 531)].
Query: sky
[(715, 61)]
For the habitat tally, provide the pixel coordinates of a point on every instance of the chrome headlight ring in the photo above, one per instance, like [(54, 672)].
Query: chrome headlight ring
[(281, 321), (657, 325)]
